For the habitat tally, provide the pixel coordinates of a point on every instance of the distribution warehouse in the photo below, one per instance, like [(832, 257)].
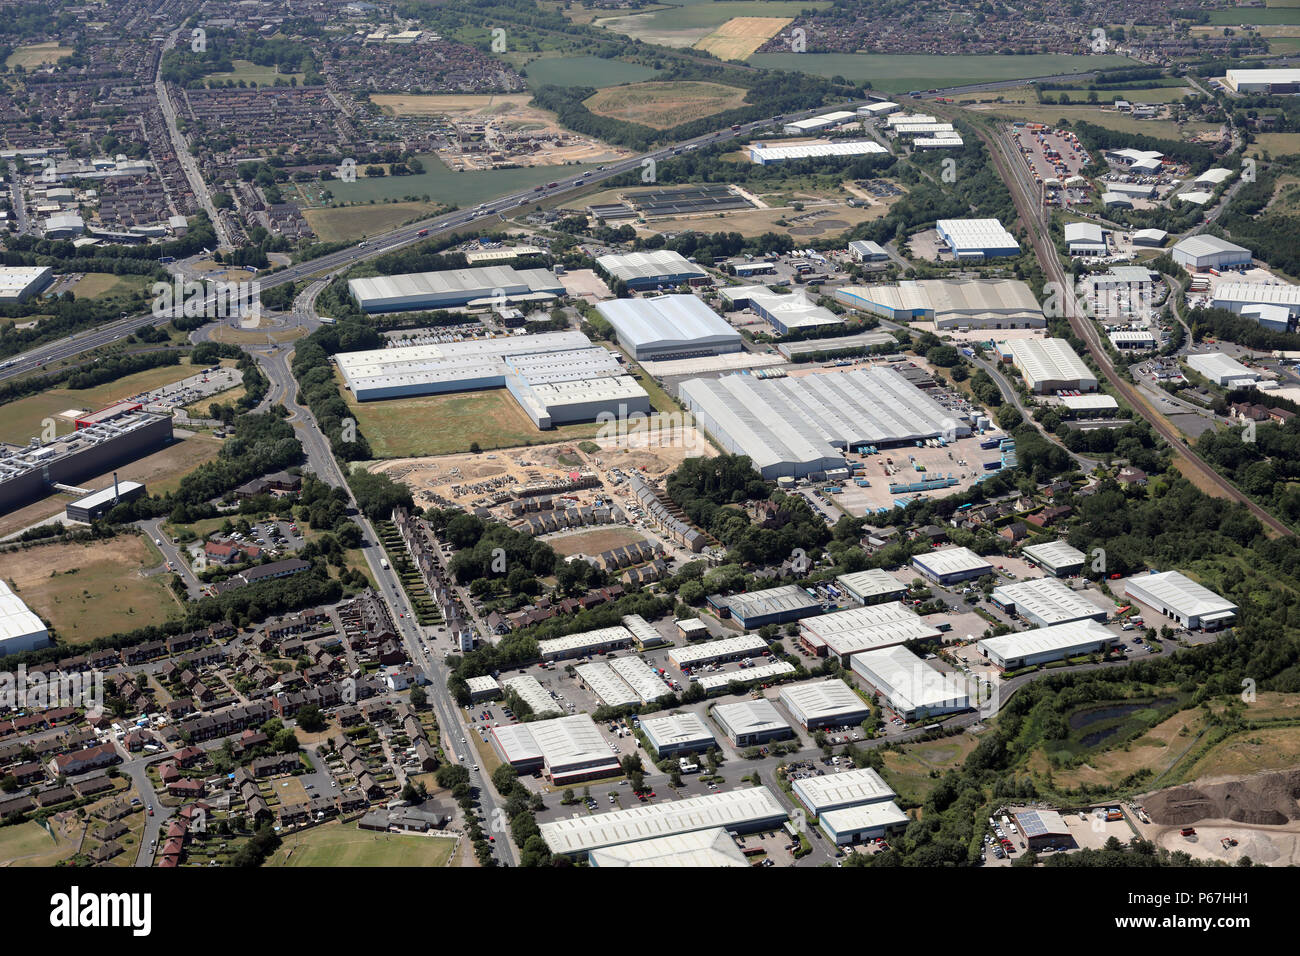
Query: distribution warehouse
[(790, 427), (453, 288), (912, 687), (830, 703), (1264, 81), (845, 633), (765, 155), (20, 629), (1209, 252), (20, 283), (1046, 644), (1177, 596), (669, 327), (871, 586), (783, 311), (851, 788), (710, 652), (567, 749), (751, 723), (556, 377), (950, 303), (1055, 557), (700, 848), (650, 270), (866, 821), (1046, 601), (677, 734), (1237, 296), (755, 609), (949, 565), (1222, 369), (976, 238), (1050, 365)]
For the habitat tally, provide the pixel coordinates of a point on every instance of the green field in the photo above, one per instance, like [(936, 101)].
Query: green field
[(1254, 15), (345, 223), (1110, 119), (591, 71), (903, 72), (1284, 45), (96, 285), (30, 844), (255, 75), (682, 25), (343, 845), (37, 54)]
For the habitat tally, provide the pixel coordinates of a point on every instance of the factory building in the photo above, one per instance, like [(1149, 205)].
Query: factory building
[(698, 849), (1201, 252), (813, 124), (1096, 405), (736, 811), (454, 288), (1044, 829), (645, 682), (1059, 642), (652, 270), (1238, 296), (1277, 318), (530, 690), (605, 684), (752, 723), (1044, 602), (753, 674), (912, 687), (779, 605), (843, 634), (1137, 340), (669, 327), (20, 283), (715, 652), (20, 629), (951, 565), (1175, 595), (785, 312), (95, 505), (862, 823), (1050, 365), (950, 303), (643, 633), (1275, 81), (872, 586), (1138, 160), (764, 154), (675, 734), (483, 688), (977, 239), (864, 250), (794, 427), (1085, 239), (1222, 369), (850, 788), (1055, 557), (830, 703), (566, 749), (588, 642), (1150, 238), (883, 108)]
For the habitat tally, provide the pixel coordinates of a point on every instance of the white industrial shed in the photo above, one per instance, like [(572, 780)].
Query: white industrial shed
[(1222, 369), (20, 283), (754, 674), (1096, 402), (749, 723), (1046, 644), (1237, 296), (697, 849), (649, 270), (740, 811), (950, 303), (677, 734), (851, 788), (883, 108), (1178, 596), (1280, 80), (1150, 238), (845, 633), (912, 687), (646, 684), (1046, 601), (726, 649), (605, 684), (483, 688), (1050, 365), (568, 749), (830, 703), (866, 821), (813, 123), (764, 154), (20, 629), (1056, 557), (1085, 239), (669, 327), (792, 427), (871, 586), (1209, 252), (588, 642), (452, 288), (950, 565), (532, 693), (977, 238)]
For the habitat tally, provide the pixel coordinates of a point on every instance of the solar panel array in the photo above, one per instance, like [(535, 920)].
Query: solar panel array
[(687, 199)]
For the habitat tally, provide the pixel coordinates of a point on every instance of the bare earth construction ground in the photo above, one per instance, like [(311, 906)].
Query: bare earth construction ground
[(665, 105)]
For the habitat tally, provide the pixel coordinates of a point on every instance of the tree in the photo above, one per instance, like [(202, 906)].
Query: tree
[(311, 719), (504, 779), (419, 699), (449, 775)]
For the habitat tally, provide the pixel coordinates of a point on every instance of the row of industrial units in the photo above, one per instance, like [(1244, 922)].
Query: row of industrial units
[(950, 303)]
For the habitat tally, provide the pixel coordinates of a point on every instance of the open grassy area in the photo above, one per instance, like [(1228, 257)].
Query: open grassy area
[(1109, 118), (255, 75), (909, 772), (1254, 15), (91, 590), (30, 844), (343, 845), (37, 54), (1155, 750), (740, 37), (590, 71), (902, 72), (593, 542), (94, 285), (664, 105), (346, 223), (681, 23), (1273, 748), (1275, 144)]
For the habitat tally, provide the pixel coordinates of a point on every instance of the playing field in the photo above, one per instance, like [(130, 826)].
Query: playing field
[(902, 72), (92, 590), (590, 71), (739, 37), (356, 222), (37, 54), (254, 75), (30, 844), (665, 105), (343, 845)]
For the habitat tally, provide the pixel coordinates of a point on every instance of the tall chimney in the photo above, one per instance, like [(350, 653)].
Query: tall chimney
[(116, 496)]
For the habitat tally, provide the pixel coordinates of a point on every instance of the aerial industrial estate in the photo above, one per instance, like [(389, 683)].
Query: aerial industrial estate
[(593, 435)]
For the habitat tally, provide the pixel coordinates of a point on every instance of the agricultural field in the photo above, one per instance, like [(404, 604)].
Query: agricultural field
[(254, 75), (92, 590), (1107, 117), (590, 71), (665, 105), (1275, 144), (345, 845), (902, 72), (450, 104), (685, 24), (37, 54), (908, 772), (1254, 16), (739, 38), (346, 223)]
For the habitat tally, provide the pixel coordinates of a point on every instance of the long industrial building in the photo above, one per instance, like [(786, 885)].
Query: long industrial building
[(754, 674), (531, 692), (605, 684), (556, 377), (587, 642), (454, 288), (751, 723), (845, 633), (976, 239), (698, 849), (669, 327), (1222, 369), (829, 703), (1239, 296), (1203, 251), (98, 503), (912, 687), (567, 749), (713, 652), (677, 734), (653, 269), (950, 303), (794, 427), (20, 629), (20, 283), (739, 811), (1174, 594), (1275, 81), (1055, 557), (872, 586), (1046, 644), (645, 683), (779, 605), (1046, 601), (785, 312), (765, 154), (951, 565), (851, 788), (1050, 365)]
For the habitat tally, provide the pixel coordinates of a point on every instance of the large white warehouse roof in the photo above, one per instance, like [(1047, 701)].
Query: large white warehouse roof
[(763, 154), (848, 789), (912, 686), (1049, 364), (844, 633), (1046, 640), (668, 323), (1047, 601), (647, 267), (700, 848), (1179, 593), (829, 701)]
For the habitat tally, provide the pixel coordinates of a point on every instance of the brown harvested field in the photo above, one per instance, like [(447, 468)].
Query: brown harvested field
[(740, 37), (1157, 750), (662, 105), (593, 542), (230, 336), (813, 222), (92, 590), (346, 223)]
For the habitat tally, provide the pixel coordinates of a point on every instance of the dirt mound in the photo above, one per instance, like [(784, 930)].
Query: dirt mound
[(1268, 799)]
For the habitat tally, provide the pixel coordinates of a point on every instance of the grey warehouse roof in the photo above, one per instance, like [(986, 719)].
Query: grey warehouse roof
[(667, 320), (655, 264)]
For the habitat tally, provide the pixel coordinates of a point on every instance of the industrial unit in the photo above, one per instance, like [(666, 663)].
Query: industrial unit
[(850, 788), (872, 586), (556, 377), (950, 303), (1055, 557), (98, 503), (752, 723), (864, 250), (588, 642), (864, 822), (1050, 365), (738, 811), (950, 565), (829, 703), (532, 693), (789, 602), (1264, 81), (763, 154), (454, 288), (567, 749), (605, 684), (643, 633), (783, 311), (845, 633), (20, 629), (700, 848), (714, 652), (1046, 601), (753, 674), (669, 327), (1043, 829), (1175, 595), (1046, 644), (912, 687), (1085, 239), (483, 688), (645, 683), (677, 734), (1203, 251), (1238, 296), (1222, 369), (652, 269), (814, 123), (20, 283), (791, 427), (977, 239)]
